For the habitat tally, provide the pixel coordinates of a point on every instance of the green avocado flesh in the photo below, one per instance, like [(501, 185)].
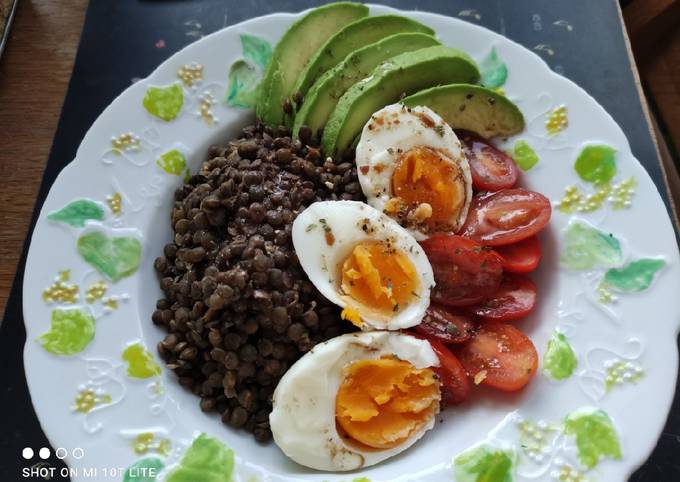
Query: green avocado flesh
[(322, 97), (402, 75), (354, 36), (295, 49), (472, 108)]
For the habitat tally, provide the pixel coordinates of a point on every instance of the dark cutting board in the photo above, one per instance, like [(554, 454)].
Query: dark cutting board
[(126, 39)]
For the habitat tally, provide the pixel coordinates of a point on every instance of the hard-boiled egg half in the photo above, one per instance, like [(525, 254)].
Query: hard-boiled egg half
[(356, 400), (363, 261), (412, 167)]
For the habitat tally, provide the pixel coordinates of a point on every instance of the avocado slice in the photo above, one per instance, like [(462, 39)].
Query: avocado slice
[(352, 37), (292, 53), (321, 98), (471, 107), (404, 74)]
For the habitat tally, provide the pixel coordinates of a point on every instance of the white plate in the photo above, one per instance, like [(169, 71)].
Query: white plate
[(637, 328)]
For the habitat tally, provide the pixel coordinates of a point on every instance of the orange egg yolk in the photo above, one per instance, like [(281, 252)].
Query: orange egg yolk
[(423, 175), (380, 277), (382, 402)]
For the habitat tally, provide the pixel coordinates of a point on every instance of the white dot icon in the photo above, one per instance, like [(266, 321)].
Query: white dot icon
[(61, 453), (44, 453), (27, 453), (78, 453)]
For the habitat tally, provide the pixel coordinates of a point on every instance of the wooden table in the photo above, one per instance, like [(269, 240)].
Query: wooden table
[(34, 73)]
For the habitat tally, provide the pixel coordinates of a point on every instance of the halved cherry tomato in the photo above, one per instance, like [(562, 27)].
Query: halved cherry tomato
[(499, 356), (452, 374), (514, 299), (443, 324), (521, 257), (507, 216), (465, 272), (491, 168)]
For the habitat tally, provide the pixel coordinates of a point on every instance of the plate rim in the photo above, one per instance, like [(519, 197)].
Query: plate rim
[(636, 461)]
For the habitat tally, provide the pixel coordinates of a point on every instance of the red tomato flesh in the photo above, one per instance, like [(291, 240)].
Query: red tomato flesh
[(521, 257), (514, 299), (506, 217), (465, 272), (500, 356), (491, 168), (446, 326), (455, 385)]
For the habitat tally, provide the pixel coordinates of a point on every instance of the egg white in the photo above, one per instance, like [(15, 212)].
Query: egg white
[(382, 142), (346, 221), (303, 418)]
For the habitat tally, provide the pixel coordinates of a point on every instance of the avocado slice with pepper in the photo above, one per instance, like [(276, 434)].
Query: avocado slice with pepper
[(321, 98), (393, 79), (471, 107), (354, 36), (294, 51)]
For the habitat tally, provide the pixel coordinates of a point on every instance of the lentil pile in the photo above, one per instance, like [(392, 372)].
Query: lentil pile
[(238, 308)]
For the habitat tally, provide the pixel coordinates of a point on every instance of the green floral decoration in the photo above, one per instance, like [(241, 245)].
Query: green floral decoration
[(140, 363), (587, 248), (70, 332), (164, 103), (115, 258), (493, 71), (596, 437), (596, 164), (256, 49), (525, 157), (173, 162), (635, 276), (245, 74), (243, 85), (206, 460), (77, 213), (559, 360), (144, 470), (483, 464)]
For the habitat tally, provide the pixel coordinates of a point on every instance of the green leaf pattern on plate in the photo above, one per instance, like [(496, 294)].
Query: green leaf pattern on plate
[(115, 258), (525, 157), (559, 360), (244, 75), (493, 71), (144, 470), (206, 460), (596, 437), (140, 363), (70, 332), (587, 248), (164, 102), (173, 162), (256, 49), (483, 464), (243, 82), (76, 213), (635, 276), (596, 164)]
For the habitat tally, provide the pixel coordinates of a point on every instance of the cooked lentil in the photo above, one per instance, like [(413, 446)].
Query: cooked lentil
[(238, 308)]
